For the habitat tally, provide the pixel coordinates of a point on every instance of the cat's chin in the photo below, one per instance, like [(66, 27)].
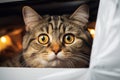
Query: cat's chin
[(55, 62)]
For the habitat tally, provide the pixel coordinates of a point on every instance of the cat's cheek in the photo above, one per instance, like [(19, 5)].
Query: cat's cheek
[(43, 62), (51, 56), (29, 52), (32, 62), (61, 55), (40, 61)]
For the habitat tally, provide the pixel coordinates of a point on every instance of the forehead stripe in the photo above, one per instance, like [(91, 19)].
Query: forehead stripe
[(52, 22), (56, 21), (59, 22)]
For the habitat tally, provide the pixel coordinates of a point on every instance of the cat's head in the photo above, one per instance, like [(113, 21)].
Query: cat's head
[(56, 41)]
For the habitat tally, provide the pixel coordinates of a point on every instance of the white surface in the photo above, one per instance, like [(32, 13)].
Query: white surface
[(105, 58), (68, 74), (37, 73)]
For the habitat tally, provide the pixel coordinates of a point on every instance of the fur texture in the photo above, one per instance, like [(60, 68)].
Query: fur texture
[(56, 41)]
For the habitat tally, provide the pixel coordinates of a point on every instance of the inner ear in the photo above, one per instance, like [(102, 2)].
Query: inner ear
[(81, 15), (30, 16)]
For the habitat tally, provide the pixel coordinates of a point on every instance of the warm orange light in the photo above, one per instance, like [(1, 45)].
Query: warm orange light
[(18, 31), (92, 32), (5, 41)]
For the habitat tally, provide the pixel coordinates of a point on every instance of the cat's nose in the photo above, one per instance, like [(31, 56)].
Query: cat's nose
[(56, 48), (56, 51)]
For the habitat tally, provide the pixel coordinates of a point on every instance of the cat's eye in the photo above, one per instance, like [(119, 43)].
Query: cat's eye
[(68, 38), (43, 39)]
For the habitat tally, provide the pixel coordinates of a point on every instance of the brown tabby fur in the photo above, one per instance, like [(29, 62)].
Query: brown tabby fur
[(56, 53)]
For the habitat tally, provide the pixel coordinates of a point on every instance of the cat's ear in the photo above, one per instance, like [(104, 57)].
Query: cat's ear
[(31, 17), (81, 15)]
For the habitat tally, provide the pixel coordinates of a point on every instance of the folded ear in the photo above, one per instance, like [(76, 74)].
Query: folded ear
[(81, 15), (30, 17)]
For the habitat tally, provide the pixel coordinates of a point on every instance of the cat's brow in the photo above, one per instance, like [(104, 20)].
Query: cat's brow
[(59, 22), (56, 22), (52, 22), (50, 28)]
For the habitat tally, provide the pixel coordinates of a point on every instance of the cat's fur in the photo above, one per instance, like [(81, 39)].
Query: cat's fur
[(56, 53)]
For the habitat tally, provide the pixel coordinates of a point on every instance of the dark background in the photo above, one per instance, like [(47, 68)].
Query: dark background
[(11, 12)]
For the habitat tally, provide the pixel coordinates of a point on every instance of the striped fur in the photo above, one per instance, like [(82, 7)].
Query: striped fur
[(56, 53)]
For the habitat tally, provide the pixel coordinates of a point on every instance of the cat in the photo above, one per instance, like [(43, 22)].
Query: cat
[(60, 41)]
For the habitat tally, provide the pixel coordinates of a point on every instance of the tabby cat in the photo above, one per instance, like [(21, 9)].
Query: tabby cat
[(55, 41)]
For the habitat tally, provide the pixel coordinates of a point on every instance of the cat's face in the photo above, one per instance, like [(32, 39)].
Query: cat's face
[(56, 41)]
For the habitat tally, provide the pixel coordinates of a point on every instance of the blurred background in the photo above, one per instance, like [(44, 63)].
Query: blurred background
[(12, 25)]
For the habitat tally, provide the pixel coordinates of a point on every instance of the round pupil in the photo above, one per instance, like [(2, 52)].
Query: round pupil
[(68, 38)]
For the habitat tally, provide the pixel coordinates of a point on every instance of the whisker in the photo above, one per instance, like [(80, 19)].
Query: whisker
[(82, 56)]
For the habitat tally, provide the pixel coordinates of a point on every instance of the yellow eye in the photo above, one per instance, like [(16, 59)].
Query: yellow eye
[(69, 38), (43, 39)]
